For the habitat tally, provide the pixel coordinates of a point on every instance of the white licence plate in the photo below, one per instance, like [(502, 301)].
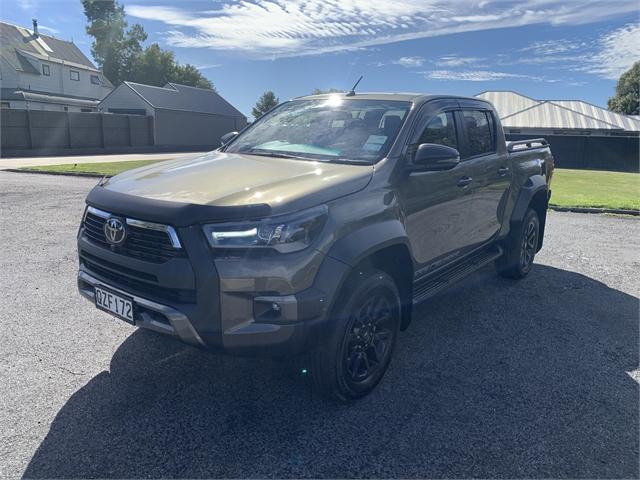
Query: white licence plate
[(116, 304)]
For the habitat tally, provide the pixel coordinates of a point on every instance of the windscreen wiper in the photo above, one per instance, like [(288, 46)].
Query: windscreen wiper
[(351, 161), (267, 153)]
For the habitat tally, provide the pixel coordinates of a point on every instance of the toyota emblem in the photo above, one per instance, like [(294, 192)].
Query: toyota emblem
[(115, 231)]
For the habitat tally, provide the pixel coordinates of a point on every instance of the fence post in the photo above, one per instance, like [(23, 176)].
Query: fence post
[(104, 137), (101, 129), (29, 129), (68, 129), (130, 144), (152, 129)]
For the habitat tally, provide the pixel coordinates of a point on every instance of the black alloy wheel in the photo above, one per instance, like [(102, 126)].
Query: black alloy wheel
[(368, 342), (529, 244), (356, 348), (520, 248)]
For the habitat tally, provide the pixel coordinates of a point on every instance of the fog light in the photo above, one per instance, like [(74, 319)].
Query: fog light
[(275, 308)]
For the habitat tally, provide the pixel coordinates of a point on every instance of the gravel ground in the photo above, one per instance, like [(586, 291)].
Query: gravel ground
[(537, 378)]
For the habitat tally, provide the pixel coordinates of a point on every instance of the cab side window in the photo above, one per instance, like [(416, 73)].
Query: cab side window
[(480, 132), (441, 130)]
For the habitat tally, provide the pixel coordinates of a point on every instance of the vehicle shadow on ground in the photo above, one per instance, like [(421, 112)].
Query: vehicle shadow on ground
[(493, 379)]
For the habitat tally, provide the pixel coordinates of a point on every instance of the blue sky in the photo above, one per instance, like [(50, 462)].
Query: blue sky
[(541, 48)]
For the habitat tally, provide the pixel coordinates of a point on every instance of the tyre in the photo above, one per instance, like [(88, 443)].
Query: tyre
[(520, 249), (353, 356)]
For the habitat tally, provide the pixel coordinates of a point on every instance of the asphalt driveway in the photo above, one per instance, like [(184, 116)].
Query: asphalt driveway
[(537, 378)]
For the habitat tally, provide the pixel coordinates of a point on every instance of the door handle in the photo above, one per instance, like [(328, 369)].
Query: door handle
[(464, 181), (502, 171)]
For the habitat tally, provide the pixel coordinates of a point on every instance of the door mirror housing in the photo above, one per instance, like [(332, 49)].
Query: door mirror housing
[(431, 156), (227, 137)]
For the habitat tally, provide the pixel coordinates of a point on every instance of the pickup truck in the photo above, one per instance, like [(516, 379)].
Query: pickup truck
[(315, 230)]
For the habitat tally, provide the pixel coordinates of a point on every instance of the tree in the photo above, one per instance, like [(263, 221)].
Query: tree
[(266, 102), (190, 75), (113, 48), (120, 54), (317, 91), (154, 66), (131, 51), (627, 97)]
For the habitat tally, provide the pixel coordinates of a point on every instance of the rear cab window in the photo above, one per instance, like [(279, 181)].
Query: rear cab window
[(480, 129)]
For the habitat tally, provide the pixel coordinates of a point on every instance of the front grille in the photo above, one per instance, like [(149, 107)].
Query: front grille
[(143, 243), (121, 277)]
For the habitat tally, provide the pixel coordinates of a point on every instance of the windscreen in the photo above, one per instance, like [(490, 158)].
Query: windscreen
[(334, 129)]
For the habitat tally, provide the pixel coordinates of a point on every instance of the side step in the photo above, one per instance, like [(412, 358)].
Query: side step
[(427, 287)]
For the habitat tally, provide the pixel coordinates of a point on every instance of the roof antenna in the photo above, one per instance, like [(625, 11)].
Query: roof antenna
[(352, 92)]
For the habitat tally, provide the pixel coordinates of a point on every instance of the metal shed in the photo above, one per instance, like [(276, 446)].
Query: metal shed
[(581, 135), (183, 115)]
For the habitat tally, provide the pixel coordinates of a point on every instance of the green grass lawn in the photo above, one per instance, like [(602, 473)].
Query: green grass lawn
[(104, 168), (571, 188), (590, 188)]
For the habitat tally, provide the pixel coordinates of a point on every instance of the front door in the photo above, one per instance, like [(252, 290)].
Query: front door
[(437, 204)]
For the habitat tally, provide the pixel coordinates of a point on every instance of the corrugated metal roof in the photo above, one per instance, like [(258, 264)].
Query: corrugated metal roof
[(181, 97), (14, 38), (508, 103), (550, 115), (626, 122), (519, 111)]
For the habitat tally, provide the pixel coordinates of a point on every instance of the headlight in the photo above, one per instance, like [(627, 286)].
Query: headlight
[(288, 233)]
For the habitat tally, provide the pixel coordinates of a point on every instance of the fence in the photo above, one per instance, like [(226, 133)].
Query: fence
[(592, 153), (47, 130)]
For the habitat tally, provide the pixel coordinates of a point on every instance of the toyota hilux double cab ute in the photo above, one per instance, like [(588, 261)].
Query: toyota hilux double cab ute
[(316, 230)]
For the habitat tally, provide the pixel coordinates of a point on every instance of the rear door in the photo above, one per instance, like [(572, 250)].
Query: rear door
[(437, 204), (491, 173)]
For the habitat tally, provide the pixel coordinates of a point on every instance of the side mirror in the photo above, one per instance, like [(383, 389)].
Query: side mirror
[(227, 137), (431, 156)]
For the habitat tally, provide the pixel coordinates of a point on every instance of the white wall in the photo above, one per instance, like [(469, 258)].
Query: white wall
[(57, 83), (124, 97)]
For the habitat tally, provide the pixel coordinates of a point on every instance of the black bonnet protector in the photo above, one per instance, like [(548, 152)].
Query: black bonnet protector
[(171, 213)]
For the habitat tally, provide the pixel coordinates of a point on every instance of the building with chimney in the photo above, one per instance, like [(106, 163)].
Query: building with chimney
[(41, 72)]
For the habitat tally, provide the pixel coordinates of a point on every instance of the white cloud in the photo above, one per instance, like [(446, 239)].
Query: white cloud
[(28, 5), (48, 29), (546, 52), (553, 47), (205, 67), (456, 61), (410, 61), (477, 75), (618, 50), (607, 56), (278, 28)]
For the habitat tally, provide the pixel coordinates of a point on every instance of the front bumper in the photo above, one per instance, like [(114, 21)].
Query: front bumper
[(150, 314), (250, 306)]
